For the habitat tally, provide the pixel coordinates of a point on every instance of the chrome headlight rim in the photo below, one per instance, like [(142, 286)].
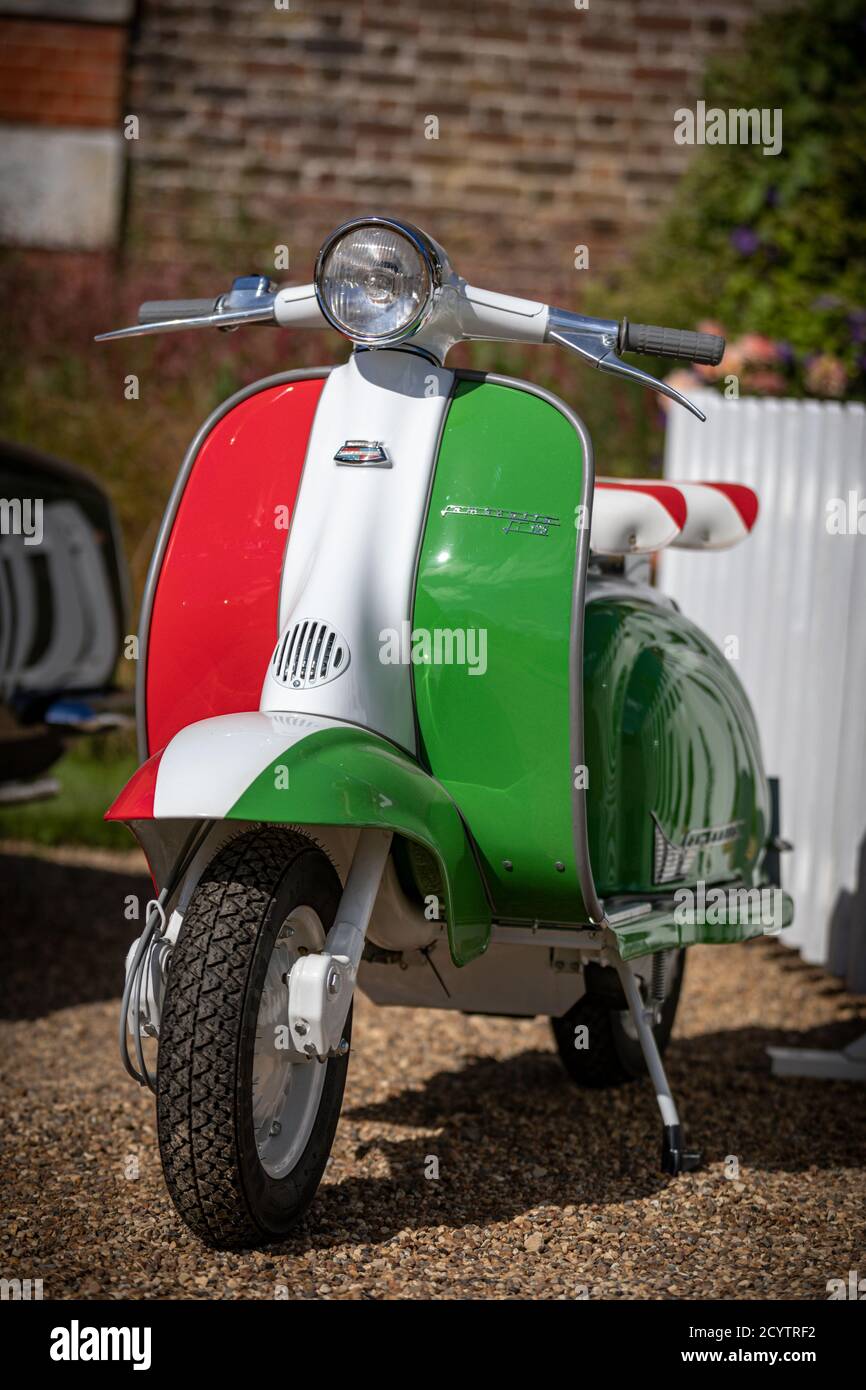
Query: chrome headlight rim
[(432, 264)]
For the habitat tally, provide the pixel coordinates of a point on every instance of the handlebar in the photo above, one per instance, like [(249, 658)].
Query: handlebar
[(251, 299), (163, 310), (705, 348), (464, 313)]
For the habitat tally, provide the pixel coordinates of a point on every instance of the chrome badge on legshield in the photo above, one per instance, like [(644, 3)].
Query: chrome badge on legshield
[(363, 453)]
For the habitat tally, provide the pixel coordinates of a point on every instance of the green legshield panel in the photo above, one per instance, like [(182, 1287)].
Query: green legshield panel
[(346, 776), (669, 737), (498, 739)]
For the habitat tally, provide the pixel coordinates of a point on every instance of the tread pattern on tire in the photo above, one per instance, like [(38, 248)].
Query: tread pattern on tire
[(201, 1023)]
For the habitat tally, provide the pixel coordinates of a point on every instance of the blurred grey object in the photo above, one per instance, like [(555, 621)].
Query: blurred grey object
[(63, 605)]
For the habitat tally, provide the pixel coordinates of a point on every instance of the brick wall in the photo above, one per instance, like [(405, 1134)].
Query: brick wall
[(555, 124), (61, 74)]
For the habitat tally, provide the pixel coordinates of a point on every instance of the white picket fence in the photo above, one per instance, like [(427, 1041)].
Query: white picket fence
[(794, 596)]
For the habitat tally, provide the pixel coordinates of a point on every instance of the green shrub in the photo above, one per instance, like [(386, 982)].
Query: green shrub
[(773, 246)]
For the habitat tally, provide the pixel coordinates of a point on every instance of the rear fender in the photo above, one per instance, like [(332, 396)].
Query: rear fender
[(304, 770)]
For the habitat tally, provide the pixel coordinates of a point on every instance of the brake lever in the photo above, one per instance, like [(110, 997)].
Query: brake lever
[(595, 340), (611, 363)]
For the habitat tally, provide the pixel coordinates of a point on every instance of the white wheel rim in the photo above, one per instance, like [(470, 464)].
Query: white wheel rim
[(286, 1092)]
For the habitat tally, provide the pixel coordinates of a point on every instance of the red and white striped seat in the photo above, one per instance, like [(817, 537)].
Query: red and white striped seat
[(637, 516)]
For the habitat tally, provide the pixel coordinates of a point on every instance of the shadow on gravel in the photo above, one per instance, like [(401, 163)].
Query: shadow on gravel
[(516, 1134), (508, 1136), (64, 937)]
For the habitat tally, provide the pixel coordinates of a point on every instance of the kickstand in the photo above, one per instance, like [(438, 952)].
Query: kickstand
[(675, 1159)]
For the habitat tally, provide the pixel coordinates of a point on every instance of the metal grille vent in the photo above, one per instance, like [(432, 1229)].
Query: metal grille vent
[(309, 653)]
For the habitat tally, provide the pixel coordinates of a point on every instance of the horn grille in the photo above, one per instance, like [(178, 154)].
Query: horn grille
[(309, 653)]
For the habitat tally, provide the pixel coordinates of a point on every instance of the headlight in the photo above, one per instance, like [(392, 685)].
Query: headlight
[(375, 280)]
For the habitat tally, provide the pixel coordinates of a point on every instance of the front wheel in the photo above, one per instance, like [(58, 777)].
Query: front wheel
[(245, 1126)]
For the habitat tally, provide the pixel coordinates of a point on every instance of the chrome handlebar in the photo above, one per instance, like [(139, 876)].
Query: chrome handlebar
[(597, 342), (253, 299)]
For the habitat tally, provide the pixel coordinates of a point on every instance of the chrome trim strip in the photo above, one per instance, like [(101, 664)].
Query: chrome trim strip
[(162, 539), (570, 938), (628, 914)]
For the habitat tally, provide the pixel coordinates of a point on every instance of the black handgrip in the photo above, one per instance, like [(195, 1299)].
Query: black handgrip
[(163, 310), (706, 348)]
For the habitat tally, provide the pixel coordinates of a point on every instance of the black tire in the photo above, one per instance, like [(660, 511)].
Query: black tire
[(207, 1040), (613, 1057)]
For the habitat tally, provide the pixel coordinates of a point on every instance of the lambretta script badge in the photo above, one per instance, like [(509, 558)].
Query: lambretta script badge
[(521, 523), (672, 861), (363, 453)]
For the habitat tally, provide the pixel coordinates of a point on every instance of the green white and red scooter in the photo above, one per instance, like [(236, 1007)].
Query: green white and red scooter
[(410, 719)]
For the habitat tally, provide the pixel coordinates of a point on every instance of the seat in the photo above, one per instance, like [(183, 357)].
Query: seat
[(638, 516)]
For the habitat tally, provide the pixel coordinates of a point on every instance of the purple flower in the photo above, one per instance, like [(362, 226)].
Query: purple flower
[(745, 240), (857, 324), (771, 197)]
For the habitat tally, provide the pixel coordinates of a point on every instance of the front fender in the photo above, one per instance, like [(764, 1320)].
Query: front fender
[(290, 769)]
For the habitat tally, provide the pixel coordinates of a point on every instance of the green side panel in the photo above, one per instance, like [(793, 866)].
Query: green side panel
[(659, 931), (498, 737), (351, 777), (669, 732)]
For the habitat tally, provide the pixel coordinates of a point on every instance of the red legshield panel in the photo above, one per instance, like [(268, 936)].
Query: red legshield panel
[(214, 619)]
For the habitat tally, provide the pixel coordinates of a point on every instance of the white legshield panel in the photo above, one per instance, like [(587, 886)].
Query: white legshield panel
[(356, 529)]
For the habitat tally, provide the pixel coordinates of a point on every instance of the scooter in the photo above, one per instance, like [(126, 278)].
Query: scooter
[(411, 718)]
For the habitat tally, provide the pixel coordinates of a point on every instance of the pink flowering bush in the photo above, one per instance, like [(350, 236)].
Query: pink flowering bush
[(755, 365)]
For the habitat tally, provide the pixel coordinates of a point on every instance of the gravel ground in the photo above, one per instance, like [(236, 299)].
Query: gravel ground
[(543, 1191)]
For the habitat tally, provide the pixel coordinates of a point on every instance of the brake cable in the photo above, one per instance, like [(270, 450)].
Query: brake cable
[(135, 973)]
